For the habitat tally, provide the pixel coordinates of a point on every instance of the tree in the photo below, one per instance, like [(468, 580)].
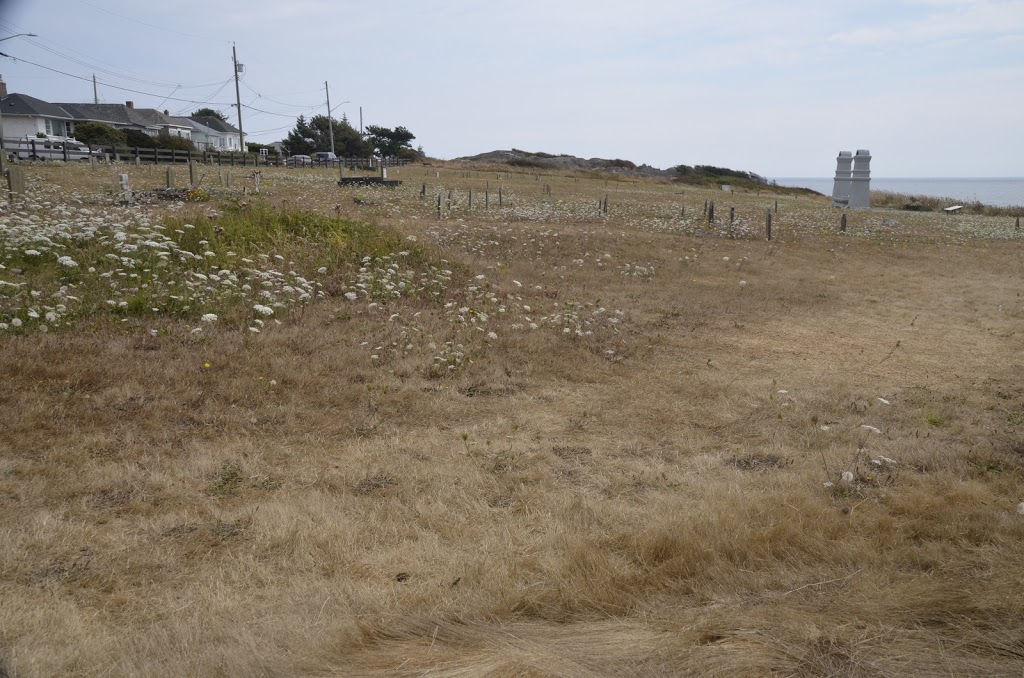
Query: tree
[(174, 142), (391, 143), (314, 135), (302, 139), (209, 113), (99, 134), (134, 137)]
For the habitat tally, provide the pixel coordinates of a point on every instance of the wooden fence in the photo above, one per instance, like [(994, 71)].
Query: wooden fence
[(43, 149)]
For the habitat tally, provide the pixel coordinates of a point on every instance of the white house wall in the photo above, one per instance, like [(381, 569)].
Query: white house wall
[(17, 127)]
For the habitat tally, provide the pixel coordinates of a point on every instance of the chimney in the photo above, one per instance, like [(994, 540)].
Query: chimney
[(166, 112), (130, 104), (3, 87)]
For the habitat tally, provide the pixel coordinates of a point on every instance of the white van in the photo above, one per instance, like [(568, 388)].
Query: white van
[(49, 148)]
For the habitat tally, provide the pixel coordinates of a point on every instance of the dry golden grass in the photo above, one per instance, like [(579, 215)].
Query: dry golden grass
[(547, 509)]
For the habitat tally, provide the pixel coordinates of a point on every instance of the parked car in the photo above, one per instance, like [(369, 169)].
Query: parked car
[(325, 157), (49, 148), (300, 161)]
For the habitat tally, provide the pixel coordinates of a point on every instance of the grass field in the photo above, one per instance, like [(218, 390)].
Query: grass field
[(330, 432)]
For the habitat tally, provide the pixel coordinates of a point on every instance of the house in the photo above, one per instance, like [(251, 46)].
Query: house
[(25, 116), (212, 133), (125, 116)]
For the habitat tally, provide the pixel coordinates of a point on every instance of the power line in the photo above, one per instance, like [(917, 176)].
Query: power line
[(159, 28), (282, 115), (151, 94), (207, 101), (39, 44), (106, 84), (273, 101), (275, 129)]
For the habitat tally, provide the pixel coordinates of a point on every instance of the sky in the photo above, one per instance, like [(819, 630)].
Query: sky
[(933, 88)]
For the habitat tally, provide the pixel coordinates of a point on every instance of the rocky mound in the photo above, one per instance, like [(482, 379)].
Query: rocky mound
[(518, 158)]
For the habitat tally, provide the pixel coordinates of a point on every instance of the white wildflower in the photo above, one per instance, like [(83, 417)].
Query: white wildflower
[(263, 310), (209, 318), (67, 261)]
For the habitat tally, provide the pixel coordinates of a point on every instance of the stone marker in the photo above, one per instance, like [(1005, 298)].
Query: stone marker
[(126, 189), (16, 180)]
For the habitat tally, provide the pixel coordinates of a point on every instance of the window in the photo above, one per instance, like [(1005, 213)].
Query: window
[(56, 128)]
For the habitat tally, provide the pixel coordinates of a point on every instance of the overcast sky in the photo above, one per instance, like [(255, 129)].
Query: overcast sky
[(932, 88)]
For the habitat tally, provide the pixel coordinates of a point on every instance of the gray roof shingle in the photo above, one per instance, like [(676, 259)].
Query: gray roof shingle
[(22, 104)]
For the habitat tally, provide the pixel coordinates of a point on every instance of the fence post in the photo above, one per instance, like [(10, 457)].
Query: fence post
[(438, 205), (1017, 226), (711, 212), (170, 177), (64, 148), (470, 197), (499, 198), (842, 224), (768, 223), (776, 206), (732, 215)]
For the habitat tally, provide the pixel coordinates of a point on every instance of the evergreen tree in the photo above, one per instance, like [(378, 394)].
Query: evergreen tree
[(391, 143), (209, 113), (314, 135)]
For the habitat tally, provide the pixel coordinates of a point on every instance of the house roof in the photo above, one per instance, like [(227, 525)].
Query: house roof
[(216, 124), (120, 114), (186, 122), (22, 104)]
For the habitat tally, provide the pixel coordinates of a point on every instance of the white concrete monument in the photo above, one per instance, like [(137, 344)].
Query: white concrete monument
[(860, 183), (844, 172), (852, 187)]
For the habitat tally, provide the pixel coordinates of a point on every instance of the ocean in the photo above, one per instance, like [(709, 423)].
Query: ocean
[(1000, 192)]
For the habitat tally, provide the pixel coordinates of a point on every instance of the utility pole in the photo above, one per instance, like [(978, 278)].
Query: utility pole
[(238, 98), (95, 94), (3, 149), (330, 122), (360, 121)]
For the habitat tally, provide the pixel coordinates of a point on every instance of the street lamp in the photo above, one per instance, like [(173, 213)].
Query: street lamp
[(3, 148), (330, 119)]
